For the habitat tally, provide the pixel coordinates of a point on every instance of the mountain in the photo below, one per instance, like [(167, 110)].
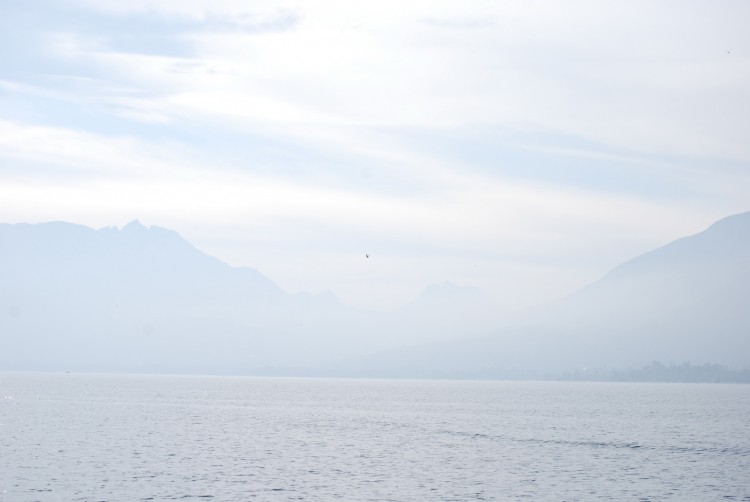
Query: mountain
[(144, 299), (444, 311), (686, 301), (451, 300)]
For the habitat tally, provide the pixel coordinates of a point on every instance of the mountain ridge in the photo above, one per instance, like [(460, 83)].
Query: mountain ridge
[(684, 301), (154, 295), (145, 298)]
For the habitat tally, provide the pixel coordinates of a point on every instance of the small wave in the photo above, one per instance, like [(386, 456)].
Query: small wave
[(697, 450)]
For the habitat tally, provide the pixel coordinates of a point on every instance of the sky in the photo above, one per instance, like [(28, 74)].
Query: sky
[(520, 147)]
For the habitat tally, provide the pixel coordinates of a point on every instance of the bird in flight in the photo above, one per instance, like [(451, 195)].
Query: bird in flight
[(367, 255)]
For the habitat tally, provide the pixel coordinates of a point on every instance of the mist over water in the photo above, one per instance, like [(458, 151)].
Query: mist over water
[(123, 438)]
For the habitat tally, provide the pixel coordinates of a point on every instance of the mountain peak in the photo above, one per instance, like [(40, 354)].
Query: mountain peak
[(733, 223), (449, 296), (448, 289), (134, 226)]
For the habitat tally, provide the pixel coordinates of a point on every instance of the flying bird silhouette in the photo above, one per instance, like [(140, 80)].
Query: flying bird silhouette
[(367, 255)]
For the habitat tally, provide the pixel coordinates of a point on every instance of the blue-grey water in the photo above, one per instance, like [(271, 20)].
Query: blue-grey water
[(69, 437)]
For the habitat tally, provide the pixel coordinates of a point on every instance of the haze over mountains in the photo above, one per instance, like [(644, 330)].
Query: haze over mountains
[(143, 299), (137, 298), (686, 301)]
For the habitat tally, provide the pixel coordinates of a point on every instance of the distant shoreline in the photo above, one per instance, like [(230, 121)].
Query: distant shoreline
[(655, 372)]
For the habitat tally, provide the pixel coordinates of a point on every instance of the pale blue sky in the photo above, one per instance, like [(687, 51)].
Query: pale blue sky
[(520, 147)]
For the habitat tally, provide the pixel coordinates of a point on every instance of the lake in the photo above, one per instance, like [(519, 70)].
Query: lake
[(71, 437)]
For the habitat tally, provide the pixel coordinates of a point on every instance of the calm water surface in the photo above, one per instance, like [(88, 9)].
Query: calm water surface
[(67, 437)]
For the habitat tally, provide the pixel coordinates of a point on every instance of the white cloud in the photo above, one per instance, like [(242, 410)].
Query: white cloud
[(647, 86), (635, 76), (78, 153)]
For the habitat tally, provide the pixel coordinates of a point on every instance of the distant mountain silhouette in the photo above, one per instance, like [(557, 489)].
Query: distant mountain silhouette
[(445, 297), (686, 301), (144, 299)]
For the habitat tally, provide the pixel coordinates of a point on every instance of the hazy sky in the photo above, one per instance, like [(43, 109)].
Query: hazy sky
[(522, 147)]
